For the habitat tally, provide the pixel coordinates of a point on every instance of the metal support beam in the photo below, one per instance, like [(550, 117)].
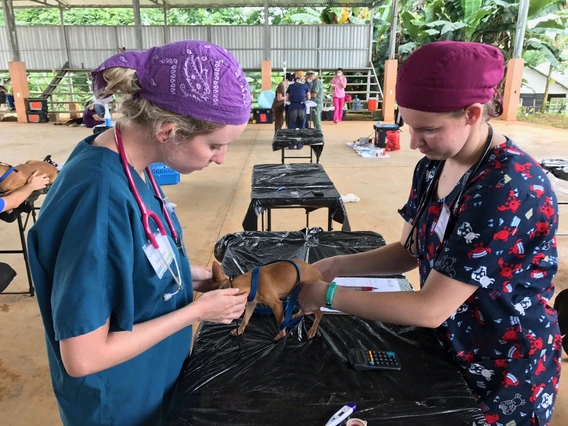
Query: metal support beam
[(166, 38), (58, 3), (266, 31), (64, 34), (137, 24), (11, 28), (371, 37), (521, 27), (394, 21)]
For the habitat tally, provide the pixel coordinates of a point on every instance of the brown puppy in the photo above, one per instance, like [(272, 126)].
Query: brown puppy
[(275, 282), (19, 177)]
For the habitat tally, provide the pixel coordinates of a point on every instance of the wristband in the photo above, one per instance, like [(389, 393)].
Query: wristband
[(329, 295)]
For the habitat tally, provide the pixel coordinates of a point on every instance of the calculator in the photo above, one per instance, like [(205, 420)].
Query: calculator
[(366, 359)]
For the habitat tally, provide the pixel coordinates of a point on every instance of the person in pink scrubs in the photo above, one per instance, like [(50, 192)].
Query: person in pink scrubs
[(338, 84)]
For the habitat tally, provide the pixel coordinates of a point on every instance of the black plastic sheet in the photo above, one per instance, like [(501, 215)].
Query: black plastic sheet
[(281, 185), (559, 168), (243, 251), (292, 138), (253, 381), (250, 380), (26, 207)]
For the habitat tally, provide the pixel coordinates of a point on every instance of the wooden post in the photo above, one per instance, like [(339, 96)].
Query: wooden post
[(513, 82), (266, 75), (76, 110), (391, 70), (20, 88)]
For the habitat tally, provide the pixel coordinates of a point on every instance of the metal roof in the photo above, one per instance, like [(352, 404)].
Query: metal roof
[(22, 4)]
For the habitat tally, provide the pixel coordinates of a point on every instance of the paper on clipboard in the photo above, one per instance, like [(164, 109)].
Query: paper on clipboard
[(379, 285)]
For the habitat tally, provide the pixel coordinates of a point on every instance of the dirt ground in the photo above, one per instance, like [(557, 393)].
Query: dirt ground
[(213, 203)]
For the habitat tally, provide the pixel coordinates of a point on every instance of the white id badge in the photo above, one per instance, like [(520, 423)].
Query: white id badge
[(160, 258), (442, 222)]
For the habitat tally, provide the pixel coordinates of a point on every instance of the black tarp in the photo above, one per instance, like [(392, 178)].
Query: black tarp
[(250, 380), (243, 251), (26, 207), (281, 185), (558, 168), (292, 138), (299, 382)]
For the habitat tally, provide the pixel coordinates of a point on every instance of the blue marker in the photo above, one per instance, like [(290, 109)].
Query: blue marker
[(341, 415), (281, 188)]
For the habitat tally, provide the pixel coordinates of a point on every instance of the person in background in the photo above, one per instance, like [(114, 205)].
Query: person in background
[(90, 116), (115, 294), (480, 226), (12, 200), (278, 103), (338, 84), (316, 94), (297, 94), (6, 98), (99, 105), (3, 95)]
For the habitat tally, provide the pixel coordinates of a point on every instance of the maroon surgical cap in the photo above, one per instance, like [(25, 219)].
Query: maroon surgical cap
[(448, 76)]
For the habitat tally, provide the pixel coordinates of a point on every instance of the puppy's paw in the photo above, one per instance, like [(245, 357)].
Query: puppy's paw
[(280, 336), (312, 333), (235, 332)]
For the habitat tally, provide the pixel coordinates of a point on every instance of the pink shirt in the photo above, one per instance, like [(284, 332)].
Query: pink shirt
[(339, 91)]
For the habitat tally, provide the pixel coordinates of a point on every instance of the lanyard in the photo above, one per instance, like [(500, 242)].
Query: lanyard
[(148, 214), (425, 199)]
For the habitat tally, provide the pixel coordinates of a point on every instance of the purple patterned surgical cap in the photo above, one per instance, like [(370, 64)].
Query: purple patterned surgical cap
[(190, 77)]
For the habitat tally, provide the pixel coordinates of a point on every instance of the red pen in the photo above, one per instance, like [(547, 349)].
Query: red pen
[(358, 288)]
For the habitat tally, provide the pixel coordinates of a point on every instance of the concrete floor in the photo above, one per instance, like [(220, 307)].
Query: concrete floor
[(211, 204)]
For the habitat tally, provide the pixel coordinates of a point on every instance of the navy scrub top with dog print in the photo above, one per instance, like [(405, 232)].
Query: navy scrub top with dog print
[(505, 337)]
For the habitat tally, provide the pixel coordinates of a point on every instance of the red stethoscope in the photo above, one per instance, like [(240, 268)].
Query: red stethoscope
[(148, 214)]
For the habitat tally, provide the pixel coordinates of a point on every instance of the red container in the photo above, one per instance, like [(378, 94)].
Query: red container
[(393, 140), (372, 104)]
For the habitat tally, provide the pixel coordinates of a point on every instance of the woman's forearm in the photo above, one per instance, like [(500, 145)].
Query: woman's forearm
[(403, 307), (101, 349), (387, 260)]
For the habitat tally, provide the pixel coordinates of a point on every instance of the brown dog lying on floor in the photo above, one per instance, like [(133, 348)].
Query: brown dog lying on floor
[(276, 281), (22, 172)]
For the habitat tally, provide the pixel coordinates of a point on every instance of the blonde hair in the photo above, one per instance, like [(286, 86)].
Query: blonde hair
[(146, 115)]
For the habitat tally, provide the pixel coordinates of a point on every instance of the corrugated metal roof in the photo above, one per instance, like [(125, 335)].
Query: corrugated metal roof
[(300, 46), (193, 3)]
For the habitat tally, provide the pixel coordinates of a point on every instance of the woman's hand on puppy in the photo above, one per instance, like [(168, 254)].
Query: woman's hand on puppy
[(312, 296), (36, 181), (329, 267), (222, 306), (202, 279)]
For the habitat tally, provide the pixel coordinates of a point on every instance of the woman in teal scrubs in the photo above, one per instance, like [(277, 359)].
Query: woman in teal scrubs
[(118, 310)]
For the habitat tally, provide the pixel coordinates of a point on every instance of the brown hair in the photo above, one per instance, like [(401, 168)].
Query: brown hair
[(491, 109), (146, 115)]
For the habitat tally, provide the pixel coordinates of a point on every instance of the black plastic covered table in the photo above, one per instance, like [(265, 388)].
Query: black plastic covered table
[(22, 214), (284, 186), (557, 167), (294, 139), (252, 381)]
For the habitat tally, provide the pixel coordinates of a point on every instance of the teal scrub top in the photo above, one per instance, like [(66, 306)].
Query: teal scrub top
[(88, 265)]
